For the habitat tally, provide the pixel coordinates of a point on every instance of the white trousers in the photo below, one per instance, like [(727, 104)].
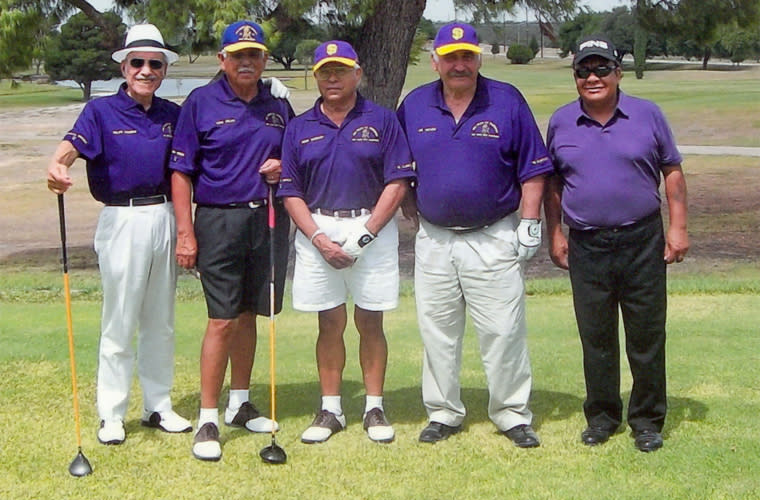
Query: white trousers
[(135, 247), (476, 270)]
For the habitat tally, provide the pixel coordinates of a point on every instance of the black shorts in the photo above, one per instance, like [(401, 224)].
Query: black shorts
[(233, 258)]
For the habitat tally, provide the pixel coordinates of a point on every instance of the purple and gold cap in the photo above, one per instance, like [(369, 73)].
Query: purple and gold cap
[(243, 35), (335, 51), (456, 36)]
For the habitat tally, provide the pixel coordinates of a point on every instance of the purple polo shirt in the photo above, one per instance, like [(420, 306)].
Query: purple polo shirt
[(221, 142), (470, 173), (344, 167), (126, 148), (611, 173)]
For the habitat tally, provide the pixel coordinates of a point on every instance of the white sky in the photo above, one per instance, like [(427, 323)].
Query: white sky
[(443, 10)]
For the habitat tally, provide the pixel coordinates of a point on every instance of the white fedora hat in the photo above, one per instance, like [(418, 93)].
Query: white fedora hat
[(144, 38)]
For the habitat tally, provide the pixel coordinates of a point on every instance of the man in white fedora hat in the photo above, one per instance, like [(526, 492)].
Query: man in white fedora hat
[(125, 139)]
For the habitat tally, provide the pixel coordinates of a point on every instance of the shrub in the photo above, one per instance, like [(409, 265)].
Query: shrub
[(519, 54)]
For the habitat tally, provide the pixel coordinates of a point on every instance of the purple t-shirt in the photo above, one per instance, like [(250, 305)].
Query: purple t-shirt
[(470, 173), (344, 167), (221, 142), (126, 148), (611, 173)]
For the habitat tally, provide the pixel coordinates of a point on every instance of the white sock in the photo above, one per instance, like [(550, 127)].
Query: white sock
[(237, 398), (373, 402), (332, 404), (208, 415)]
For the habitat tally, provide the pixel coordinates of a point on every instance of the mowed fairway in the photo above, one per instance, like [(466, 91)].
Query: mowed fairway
[(712, 435)]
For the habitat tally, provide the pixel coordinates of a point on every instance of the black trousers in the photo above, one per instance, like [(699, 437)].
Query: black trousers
[(622, 268)]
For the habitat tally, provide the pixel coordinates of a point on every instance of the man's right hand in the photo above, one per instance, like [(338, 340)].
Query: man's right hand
[(332, 252), (58, 179), (187, 249), (558, 250)]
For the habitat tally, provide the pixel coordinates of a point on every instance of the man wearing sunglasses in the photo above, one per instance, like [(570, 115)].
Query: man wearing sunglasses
[(346, 168), (126, 139), (226, 154), (610, 152), (481, 164)]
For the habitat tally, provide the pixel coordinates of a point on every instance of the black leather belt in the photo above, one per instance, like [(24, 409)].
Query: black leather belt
[(245, 204), (354, 212), (140, 201)]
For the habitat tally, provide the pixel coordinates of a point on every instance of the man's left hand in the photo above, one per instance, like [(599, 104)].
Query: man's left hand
[(676, 245), (276, 87), (357, 240), (528, 238), (271, 170)]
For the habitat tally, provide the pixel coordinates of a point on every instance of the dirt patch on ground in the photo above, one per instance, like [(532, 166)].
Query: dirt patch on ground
[(724, 205)]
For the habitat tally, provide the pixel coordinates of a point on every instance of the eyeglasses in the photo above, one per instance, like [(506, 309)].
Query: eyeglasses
[(153, 63), (239, 55), (324, 73), (599, 71)]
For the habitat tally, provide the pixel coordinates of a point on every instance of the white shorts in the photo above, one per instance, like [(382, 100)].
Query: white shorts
[(373, 280)]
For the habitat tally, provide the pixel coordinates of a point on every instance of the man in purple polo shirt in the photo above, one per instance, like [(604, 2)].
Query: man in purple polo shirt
[(125, 139), (226, 152), (346, 168), (610, 151), (479, 155)]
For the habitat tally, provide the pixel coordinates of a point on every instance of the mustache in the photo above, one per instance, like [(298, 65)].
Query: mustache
[(457, 74)]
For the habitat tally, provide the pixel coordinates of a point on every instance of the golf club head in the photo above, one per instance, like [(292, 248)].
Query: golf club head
[(273, 454), (80, 466)]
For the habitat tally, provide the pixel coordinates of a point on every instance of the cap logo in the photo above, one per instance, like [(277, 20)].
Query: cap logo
[(457, 33), (594, 43), (331, 49), (246, 32)]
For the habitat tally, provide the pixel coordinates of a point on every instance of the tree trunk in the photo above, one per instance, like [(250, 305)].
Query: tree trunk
[(384, 47), (640, 36), (86, 90), (706, 57)]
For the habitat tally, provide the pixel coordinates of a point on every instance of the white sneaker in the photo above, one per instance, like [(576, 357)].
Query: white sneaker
[(377, 426), (111, 432), (167, 421), (206, 444), (249, 417), (325, 424)]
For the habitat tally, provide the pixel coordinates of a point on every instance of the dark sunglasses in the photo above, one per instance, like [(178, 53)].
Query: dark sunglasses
[(599, 71), (153, 63)]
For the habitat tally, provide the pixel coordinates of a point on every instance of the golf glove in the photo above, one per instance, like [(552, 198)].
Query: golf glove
[(276, 87), (528, 238), (357, 240)]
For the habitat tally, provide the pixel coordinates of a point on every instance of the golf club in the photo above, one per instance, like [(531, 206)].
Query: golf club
[(272, 454), (80, 466)]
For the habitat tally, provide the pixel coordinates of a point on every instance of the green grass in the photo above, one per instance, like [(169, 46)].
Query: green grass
[(33, 95), (712, 435)]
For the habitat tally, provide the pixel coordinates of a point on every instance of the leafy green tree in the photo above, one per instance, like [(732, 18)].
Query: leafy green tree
[(18, 24), (533, 45), (82, 51), (305, 51), (495, 48), (520, 54)]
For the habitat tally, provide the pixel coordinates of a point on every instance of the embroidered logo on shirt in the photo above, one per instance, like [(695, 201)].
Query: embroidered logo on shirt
[(312, 139), (539, 160), (226, 121), (76, 137), (124, 132), (274, 120), (407, 166), (166, 130), (365, 134), (178, 154), (485, 128), (424, 130)]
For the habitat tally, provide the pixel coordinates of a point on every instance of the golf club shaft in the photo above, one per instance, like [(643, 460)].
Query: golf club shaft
[(69, 325), (271, 218)]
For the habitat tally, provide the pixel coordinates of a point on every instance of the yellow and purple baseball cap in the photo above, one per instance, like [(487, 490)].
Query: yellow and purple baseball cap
[(456, 36), (335, 51), (243, 35)]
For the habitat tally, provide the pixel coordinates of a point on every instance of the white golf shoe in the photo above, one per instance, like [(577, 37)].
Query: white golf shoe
[(377, 426), (167, 421), (249, 417), (325, 424), (111, 432), (206, 445)]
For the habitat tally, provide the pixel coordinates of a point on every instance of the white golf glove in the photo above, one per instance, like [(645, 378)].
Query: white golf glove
[(276, 87), (528, 238), (357, 241)]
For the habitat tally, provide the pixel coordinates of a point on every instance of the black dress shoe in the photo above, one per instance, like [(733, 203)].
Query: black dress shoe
[(523, 436), (593, 436), (647, 440), (436, 431)]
